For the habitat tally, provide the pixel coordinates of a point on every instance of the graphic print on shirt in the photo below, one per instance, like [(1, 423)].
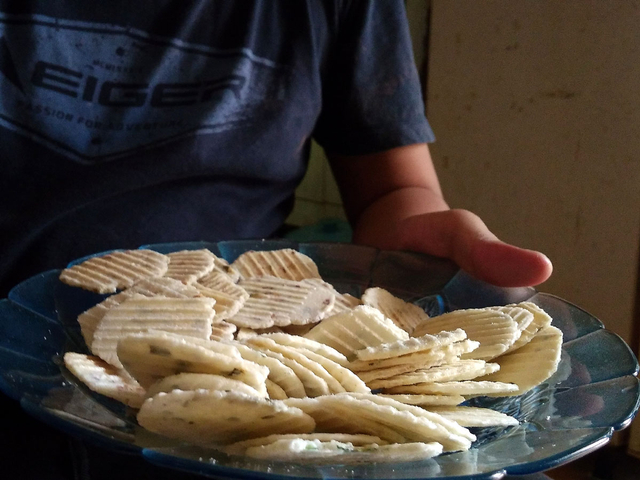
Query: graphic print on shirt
[(94, 92)]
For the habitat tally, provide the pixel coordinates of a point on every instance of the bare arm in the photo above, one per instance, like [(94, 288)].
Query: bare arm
[(393, 201)]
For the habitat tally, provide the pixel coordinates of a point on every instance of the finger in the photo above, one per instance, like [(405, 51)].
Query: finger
[(463, 237)]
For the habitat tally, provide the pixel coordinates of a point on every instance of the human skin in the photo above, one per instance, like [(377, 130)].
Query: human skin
[(393, 201)]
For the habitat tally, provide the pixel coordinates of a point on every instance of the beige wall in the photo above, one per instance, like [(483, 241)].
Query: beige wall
[(535, 106)]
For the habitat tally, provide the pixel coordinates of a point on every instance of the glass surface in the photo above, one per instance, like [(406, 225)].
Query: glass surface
[(594, 392)]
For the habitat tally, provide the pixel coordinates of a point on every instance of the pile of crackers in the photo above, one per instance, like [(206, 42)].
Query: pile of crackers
[(263, 358)]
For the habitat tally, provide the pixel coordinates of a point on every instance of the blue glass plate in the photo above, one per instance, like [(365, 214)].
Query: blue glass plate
[(594, 392)]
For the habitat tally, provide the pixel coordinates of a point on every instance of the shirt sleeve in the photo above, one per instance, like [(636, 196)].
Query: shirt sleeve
[(372, 98)]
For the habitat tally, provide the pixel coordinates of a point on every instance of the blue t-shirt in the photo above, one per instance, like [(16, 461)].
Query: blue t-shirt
[(132, 122)]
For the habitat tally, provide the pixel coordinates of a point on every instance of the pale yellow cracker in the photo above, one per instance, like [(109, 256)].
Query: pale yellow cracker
[(279, 373), (466, 388), (315, 451), (475, 416), (425, 400), (314, 385), (221, 282), (187, 316), (419, 359), (116, 270), (266, 344), (309, 344), (411, 345), (278, 302), (149, 357), (404, 314), (343, 301), (353, 330), (275, 391), (531, 364), (540, 320), (522, 316), (222, 330), (462, 370), (414, 423), (105, 379), (200, 381), (204, 417), (451, 426), (188, 266), (337, 418), (284, 263), (90, 319), (239, 448), (226, 305), (149, 287), (496, 331)]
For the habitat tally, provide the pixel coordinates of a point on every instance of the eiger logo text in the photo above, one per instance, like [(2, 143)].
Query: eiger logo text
[(96, 92)]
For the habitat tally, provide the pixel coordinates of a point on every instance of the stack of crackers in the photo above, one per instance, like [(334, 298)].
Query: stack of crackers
[(263, 358)]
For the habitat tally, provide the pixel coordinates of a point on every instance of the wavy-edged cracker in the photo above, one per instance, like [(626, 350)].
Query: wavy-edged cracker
[(278, 302), (419, 359), (284, 263), (221, 266), (309, 344), (149, 287), (188, 266), (540, 320), (222, 330), (315, 451), (314, 385), (149, 357), (200, 381), (531, 364), (105, 379), (226, 305), (369, 376), (412, 345), (266, 344), (461, 370), (330, 418), (343, 301), (279, 373), (404, 314), (205, 417), (496, 331), (475, 416), (348, 380), (413, 423), (448, 425), (116, 270), (425, 400), (221, 282), (275, 391), (520, 315), (239, 448), (243, 333), (191, 317), (353, 330), (466, 388)]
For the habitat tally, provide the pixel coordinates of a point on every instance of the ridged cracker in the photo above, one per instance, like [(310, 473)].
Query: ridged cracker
[(105, 379), (350, 331), (187, 316), (115, 271)]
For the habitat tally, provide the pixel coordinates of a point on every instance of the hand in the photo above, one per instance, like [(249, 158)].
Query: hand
[(464, 238)]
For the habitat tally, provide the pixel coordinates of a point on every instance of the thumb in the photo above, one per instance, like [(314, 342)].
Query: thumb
[(464, 238)]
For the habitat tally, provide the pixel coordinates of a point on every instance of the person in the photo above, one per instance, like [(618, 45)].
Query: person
[(126, 123)]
